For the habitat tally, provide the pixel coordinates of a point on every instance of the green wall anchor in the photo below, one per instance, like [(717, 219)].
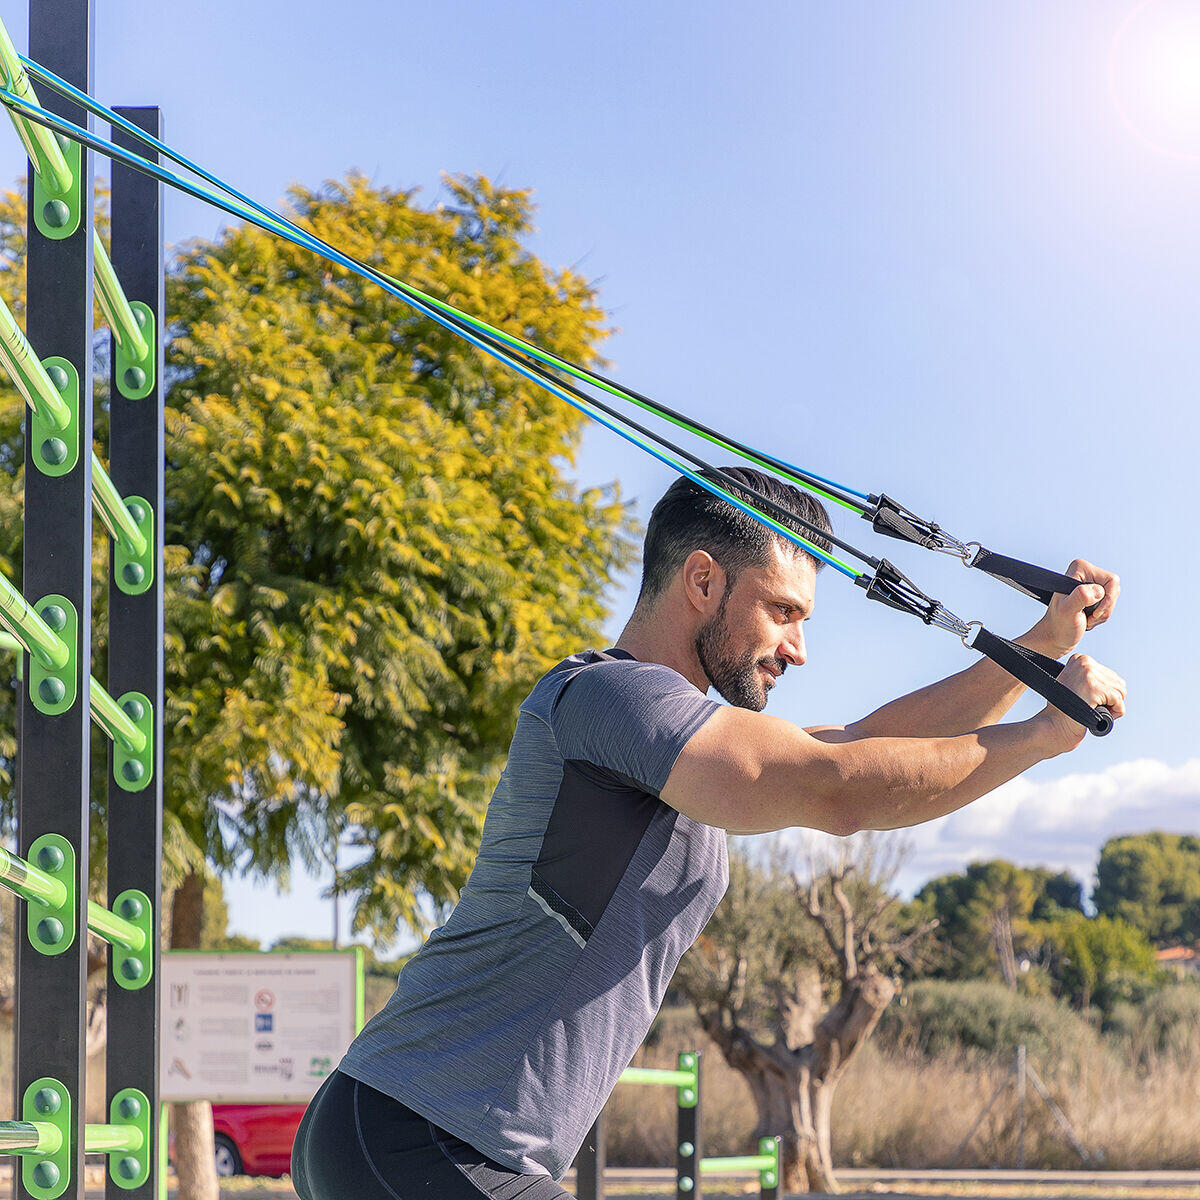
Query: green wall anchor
[(135, 573), (135, 376), (130, 1168), (770, 1175), (56, 214), (53, 691), (133, 969), (51, 928), (131, 770), (688, 1095), (56, 451), (47, 1176)]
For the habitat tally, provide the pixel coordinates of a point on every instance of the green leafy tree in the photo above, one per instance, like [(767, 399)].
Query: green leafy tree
[(376, 549), (989, 903), (1098, 961), (1152, 881)]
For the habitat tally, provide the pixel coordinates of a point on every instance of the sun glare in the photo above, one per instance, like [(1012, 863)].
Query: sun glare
[(1154, 75)]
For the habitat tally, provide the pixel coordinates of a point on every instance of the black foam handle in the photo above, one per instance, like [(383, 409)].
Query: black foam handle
[(1041, 673)]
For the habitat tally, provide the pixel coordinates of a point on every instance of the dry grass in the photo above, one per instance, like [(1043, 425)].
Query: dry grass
[(898, 1110)]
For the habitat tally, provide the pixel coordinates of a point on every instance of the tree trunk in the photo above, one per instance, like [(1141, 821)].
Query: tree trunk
[(781, 1109), (195, 1160), (820, 1168)]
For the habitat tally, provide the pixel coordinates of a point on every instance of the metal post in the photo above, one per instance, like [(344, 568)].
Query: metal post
[(54, 797), (136, 458), (689, 1150), (590, 1163)]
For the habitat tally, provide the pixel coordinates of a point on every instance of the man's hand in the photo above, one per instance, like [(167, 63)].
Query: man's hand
[(1065, 622), (1097, 685)]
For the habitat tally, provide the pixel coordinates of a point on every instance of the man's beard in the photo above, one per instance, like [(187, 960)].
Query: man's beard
[(735, 676)]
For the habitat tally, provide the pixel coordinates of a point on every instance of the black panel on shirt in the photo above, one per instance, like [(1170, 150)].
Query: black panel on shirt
[(594, 830)]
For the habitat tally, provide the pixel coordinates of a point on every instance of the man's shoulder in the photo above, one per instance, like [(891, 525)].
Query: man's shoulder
[(551, 684), (604, 669), (606, 677), (609, 664)]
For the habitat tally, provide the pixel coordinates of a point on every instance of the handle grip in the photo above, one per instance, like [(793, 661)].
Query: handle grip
[(1040, 674)]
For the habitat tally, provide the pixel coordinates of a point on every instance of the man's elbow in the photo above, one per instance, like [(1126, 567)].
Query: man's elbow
[(841, 822), (840, 810)]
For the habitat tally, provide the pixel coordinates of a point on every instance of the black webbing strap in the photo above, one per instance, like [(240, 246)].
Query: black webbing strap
[(1034, 581), (1040, 673)]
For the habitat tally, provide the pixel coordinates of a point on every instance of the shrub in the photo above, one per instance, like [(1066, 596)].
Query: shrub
[(1166, 1025), (938, 1017)]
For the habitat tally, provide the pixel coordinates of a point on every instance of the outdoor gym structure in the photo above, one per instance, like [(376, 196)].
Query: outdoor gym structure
[(690, 1165), (49, 622)]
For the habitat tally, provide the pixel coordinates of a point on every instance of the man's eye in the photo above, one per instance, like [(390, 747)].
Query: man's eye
[(785, 610)]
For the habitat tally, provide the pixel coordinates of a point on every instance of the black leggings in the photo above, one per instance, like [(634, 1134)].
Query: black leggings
[(356, 1142)]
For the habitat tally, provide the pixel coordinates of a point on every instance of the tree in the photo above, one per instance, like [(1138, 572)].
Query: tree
[(1098, 961), (377, 551), (373, 549), (988, 915), (1152, 880), (789, 980)]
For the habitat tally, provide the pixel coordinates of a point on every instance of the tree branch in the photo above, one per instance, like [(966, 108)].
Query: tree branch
[(814, 910), (901, 947), (849, 960)]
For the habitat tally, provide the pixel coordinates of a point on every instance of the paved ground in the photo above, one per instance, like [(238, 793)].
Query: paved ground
[(626, 1184), (623, 1184)]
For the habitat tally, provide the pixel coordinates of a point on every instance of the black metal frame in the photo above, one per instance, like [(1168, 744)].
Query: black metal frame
[(53, 797), (590, 1163), (135, 624), (688, 1129)]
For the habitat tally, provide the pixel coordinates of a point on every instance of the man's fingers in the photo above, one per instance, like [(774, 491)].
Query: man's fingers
[(1096, 683), (1111, 688), (1107, 582)]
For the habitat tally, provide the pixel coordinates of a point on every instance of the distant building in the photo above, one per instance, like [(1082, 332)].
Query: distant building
[(1182, 961)]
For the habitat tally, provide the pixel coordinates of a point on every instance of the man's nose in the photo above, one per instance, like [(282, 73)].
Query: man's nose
[(794, 650)]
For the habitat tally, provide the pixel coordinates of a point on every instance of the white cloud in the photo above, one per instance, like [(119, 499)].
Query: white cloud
[(1057, 823)]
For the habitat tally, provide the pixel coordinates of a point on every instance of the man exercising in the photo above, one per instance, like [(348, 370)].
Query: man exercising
[(603, 853)]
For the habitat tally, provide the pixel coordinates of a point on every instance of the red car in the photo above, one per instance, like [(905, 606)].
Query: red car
[(255, 1139)]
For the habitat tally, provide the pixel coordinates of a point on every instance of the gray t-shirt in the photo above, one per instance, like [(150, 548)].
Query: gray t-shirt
[(512, 1023)]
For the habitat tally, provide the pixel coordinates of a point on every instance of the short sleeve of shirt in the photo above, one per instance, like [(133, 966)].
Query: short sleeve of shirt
[(629, 717)]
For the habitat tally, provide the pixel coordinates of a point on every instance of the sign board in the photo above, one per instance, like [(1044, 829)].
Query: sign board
[(256, 1028)]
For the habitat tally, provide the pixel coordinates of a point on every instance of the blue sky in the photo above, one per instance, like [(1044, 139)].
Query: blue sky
[(947, 250)]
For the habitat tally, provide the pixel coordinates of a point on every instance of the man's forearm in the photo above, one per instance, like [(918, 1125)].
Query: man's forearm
[(977, 697), (889, 783)]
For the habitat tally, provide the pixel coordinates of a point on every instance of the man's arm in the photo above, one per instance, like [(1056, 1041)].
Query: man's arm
[(751, 773), (983, 693)]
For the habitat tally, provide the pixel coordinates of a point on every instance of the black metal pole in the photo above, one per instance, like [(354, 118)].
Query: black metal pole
[(590, 1163), (688, 1146), (51, 989), (135, 622)]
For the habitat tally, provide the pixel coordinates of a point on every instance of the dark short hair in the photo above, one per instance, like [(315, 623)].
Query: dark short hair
[(688, 518)]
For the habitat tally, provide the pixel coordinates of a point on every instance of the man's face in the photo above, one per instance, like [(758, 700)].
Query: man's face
[(757, 630)]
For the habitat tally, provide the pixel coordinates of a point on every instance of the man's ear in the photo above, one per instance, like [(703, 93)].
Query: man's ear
[(703, 582)]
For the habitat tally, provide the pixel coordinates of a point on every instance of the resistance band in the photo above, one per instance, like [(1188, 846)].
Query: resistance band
[(886, 583)]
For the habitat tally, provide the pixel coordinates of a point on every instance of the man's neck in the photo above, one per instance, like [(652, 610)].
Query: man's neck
[(650, 639)]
